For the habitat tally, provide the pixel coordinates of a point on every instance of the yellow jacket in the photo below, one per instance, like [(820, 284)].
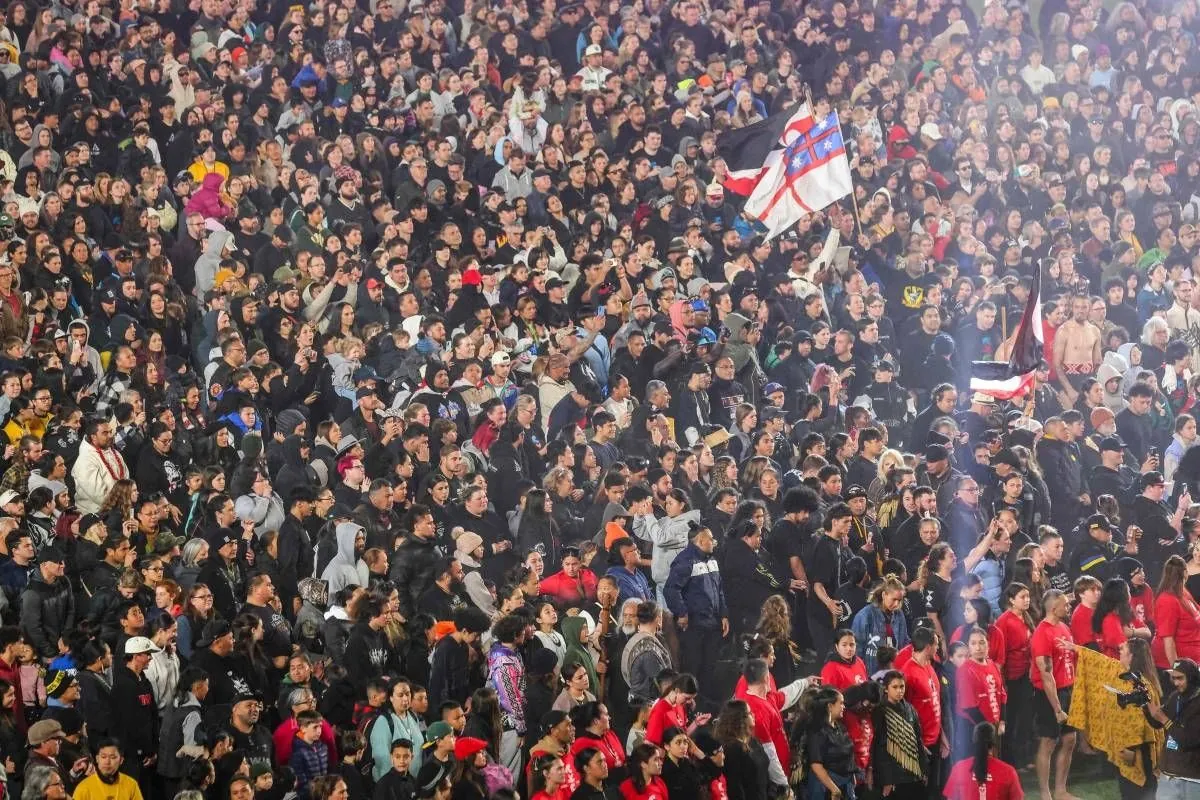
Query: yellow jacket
[(198, 170)]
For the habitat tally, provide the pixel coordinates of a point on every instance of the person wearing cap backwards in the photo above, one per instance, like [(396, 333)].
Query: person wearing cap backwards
[(1159, 526)]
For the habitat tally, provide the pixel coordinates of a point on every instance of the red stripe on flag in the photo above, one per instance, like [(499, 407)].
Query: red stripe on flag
[(1005, 389)]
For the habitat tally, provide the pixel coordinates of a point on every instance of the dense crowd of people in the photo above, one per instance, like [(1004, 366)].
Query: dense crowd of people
[(398, 404)]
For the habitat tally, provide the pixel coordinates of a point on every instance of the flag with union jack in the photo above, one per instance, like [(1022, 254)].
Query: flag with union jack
[(749, 152), (810, 173)]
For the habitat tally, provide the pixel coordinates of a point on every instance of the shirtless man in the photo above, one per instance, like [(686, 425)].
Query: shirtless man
[(1076, 349)]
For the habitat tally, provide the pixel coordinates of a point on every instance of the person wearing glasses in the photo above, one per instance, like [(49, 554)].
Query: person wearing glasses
[(965, 517), (158, 469), (44, 783)]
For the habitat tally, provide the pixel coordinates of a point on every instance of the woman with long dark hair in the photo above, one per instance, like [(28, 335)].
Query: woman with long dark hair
[(900, 764), (467, 776), (435, 494), (197, 612), (253, 664), (984, 773), (828, 749), (747, 765), (1135, 656), (1014, 659), (12, 737), (680, 773), (593, 729), (1112, 621), (484, 721), (548, 778), (671, 709), (538, 529), (843, 670), (645, 774), (1176, 617)]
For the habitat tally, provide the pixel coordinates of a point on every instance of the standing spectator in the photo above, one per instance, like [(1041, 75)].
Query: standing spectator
[(48, 605), (506, 674), (136, 725), (696, 596)]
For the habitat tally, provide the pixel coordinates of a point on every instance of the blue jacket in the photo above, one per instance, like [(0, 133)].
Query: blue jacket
[(870, 629), (629, 585), (693, 588), (991, 571), (309, 762)]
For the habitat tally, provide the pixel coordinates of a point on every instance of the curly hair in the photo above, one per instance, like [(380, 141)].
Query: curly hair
[(775, 621)]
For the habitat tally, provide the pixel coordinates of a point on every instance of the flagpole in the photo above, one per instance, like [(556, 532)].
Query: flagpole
[(853, 193)]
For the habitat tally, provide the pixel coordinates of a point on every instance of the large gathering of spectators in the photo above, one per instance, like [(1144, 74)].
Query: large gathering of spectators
[(397, 404)]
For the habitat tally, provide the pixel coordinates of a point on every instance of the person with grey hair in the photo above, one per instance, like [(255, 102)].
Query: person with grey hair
[(43, 783), (195, 551)]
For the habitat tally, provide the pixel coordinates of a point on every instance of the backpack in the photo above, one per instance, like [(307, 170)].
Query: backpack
[(366, 726)]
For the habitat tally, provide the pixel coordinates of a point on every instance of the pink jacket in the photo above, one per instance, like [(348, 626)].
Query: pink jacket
[(207, 199)]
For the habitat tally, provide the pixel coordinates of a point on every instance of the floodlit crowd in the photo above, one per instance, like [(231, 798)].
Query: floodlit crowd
[(397, 405)]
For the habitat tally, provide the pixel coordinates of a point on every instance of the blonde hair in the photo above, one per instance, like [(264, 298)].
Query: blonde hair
[(888, 460)]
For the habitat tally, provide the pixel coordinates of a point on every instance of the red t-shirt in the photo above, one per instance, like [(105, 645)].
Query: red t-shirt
[(841, 677), (663, 715), (980, 686), (1062, 659), (768, 727), (1081, 625), (1181, 620), (609, 744), (777, 697), (656, 789), (571, 779), (1142, 603), (1002, 782), (1014, 656), (923, 690), (903, 656), (1112, 636)]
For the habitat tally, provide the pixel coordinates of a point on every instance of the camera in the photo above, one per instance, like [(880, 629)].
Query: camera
[(1138, 696)]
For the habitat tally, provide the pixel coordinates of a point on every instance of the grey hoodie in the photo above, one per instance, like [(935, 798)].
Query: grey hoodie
[(342, 570), (208, 263), (669, 536)]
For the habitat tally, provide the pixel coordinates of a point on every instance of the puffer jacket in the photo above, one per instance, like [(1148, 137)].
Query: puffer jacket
[(412, 570), (268, 513), (47, 613), (693, 589), (207, 199)]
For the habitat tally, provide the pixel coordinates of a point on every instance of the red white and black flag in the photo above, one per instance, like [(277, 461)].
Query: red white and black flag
[(750, 151), (1005, 380)]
